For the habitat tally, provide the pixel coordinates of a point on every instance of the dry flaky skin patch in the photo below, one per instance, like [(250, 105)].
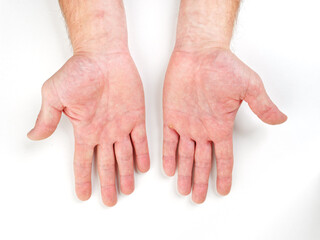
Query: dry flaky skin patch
[(103, 98), (202, 94)]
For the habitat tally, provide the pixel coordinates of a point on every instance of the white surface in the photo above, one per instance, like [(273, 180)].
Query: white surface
[(275, 194)]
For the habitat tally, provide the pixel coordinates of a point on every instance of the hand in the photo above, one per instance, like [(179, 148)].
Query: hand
[(103, 98), (202, 94)]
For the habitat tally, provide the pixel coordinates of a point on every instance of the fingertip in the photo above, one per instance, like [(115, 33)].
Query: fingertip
[(199, 192), (35, 137), (283, 118), (169, 167), (198, 200), (127, 184), (29, 134), (127, 190), (223, 189), (224, 193), (144, 169), (143, 163), (276, 119), (169, 173), (83, 195), (109, 196), (110, 203), (40, 132), (184, 191), (83, 191), (84, 198), (184, 185)]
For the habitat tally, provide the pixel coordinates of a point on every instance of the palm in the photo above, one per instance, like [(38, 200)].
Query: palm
[(202, 93), (96, 94)]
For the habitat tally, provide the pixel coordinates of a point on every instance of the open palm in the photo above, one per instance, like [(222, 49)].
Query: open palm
[(202, 94), (103, 97)]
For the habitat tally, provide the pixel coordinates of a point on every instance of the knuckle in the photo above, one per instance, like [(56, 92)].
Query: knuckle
[(126, 177), (139, 136), (125, 158), (200, 185), (82, 184), (225, 180), (82, 164), (267, 111), (184, 176), (169, 158), (202, 164), (185, 158), (106, 166), (108, 186), (144, 156)]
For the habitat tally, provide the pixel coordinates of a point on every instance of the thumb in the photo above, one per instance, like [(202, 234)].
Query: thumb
[(261, 104), (49, 115)]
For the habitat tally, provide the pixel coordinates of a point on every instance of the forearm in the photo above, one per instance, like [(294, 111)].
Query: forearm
[(205, 24), (97, 26)]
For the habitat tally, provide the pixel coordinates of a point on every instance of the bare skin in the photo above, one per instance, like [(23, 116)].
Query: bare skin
[(94, 90), (203, 90)]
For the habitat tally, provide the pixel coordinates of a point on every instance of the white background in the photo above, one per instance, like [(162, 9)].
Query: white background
[(276, 189)]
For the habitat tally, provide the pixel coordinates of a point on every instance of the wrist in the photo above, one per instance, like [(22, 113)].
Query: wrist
[(197, 42), (98, 35), (97, 26), (205, 24), (101, 45)]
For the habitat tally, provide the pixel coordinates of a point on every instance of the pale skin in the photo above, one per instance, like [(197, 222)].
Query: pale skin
[(94, 89), (204, 87)]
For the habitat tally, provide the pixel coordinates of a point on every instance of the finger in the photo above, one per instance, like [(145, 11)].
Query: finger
[(124, 156), (185, 161), (170, 142), (140, 144), (261, 104), (49, 115), (82, 170), (224, 157), (107, 174), (202, 168)]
